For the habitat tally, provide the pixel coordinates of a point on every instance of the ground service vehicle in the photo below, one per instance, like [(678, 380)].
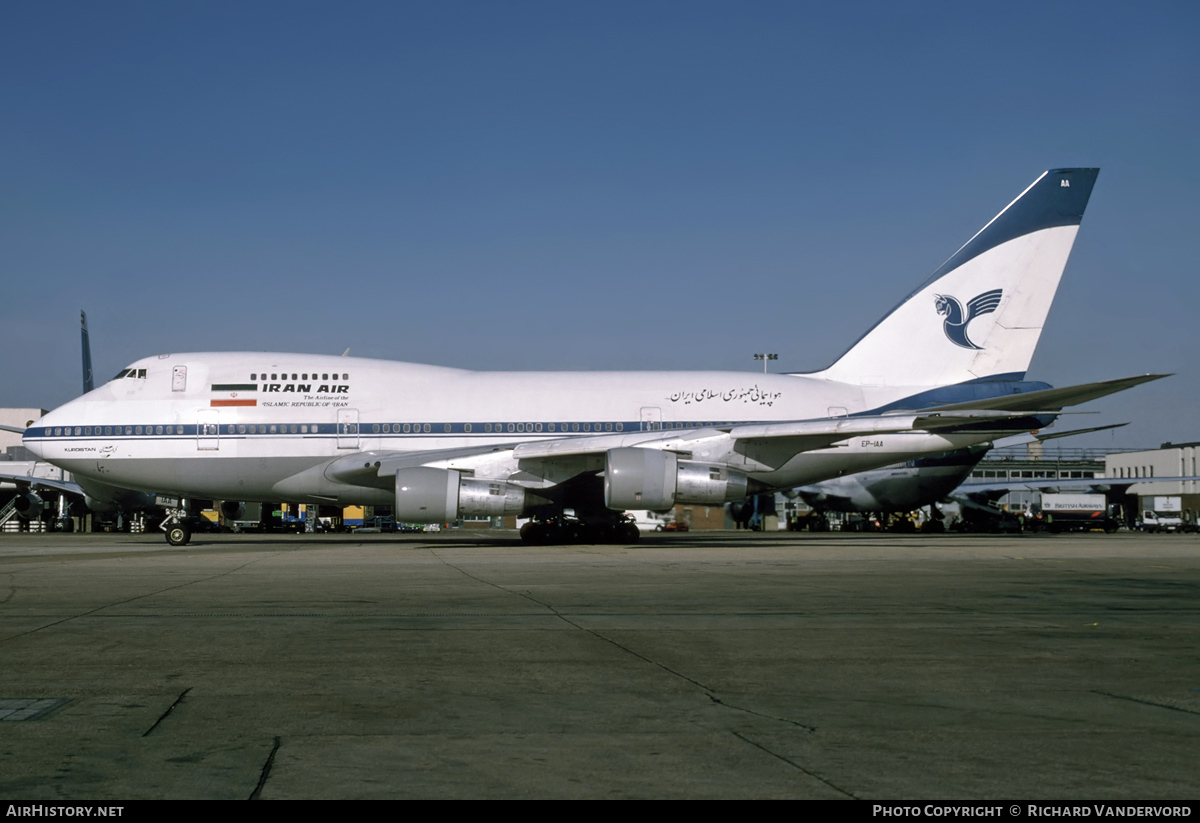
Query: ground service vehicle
[(1164, 514), (1074, 512)]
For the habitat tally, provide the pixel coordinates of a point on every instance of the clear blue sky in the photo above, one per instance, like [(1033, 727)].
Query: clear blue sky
[(550, 185)]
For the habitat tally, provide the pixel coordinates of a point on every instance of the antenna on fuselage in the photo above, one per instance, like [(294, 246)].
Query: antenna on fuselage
[(346, 353), (88, 382)]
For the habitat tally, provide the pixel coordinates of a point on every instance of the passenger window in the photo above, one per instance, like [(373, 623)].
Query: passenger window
[(428, 427), (446, 427), (467, 427)]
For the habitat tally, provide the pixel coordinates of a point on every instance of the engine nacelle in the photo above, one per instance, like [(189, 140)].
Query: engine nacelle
[(428, 495), (657, 480), (28, 505), (707, 484)]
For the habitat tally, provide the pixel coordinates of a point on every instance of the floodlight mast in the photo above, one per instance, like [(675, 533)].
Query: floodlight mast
[(764, 358)]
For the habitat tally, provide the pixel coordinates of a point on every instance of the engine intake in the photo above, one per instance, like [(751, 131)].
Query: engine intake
[(657, 480), (28, 506)]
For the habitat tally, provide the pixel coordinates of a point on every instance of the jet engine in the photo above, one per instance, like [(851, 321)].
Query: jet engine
[(657, 480), (428, 495), (28, 506)]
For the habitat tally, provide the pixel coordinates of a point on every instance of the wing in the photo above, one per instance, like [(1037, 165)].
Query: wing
[(763, 447), (24, 480)]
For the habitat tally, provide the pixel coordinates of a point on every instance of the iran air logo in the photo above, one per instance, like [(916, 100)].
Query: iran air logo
[(956, 322)]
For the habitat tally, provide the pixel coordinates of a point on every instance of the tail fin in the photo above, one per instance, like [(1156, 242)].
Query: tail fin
[(88, 382), (981, 313)]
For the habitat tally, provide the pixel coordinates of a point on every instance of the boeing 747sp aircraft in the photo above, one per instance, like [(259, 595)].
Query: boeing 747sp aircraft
[(944, 370)]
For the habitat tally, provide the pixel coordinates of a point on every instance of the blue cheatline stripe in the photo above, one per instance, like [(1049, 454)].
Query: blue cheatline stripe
[(366, 430)]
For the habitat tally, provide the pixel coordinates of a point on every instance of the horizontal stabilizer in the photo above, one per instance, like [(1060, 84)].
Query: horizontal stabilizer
[(1040, 437), (1053, 399)]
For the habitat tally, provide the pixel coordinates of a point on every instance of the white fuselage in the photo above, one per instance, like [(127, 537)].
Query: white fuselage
[(251, 426)]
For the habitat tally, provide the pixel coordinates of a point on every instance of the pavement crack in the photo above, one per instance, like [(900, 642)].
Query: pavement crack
[(708, 692), (1144, 702), (728, 705), (793, 764), (266, 772), (130, 600), (170, 709)]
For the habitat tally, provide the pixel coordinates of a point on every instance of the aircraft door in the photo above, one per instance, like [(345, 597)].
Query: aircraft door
[(179, 378), (347, 428), (208, 431), (651, 418)]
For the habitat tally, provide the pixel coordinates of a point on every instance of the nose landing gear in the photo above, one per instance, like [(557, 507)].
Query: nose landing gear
[(177, 527)]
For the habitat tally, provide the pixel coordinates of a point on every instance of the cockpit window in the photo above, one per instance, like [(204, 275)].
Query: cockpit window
[(122, 373)]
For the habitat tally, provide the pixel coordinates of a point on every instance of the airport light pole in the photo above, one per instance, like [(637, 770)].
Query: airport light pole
[(764, 358)]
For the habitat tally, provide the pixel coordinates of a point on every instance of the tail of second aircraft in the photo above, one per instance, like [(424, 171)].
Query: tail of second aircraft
[(980, 314)]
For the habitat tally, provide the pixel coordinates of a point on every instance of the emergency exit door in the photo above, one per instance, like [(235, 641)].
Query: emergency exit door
[(347, 428)]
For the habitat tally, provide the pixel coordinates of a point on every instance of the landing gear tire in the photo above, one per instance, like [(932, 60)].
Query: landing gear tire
[(179, 534)]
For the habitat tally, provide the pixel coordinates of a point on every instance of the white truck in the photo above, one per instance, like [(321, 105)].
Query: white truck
[(1162, 513)]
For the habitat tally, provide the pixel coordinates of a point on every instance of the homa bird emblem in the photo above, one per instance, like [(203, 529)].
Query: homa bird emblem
[(956, 322)]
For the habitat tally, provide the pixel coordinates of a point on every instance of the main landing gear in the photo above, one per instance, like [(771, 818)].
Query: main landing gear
[(561, 530)]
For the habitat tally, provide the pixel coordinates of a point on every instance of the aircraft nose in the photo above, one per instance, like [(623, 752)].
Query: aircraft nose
[(31, 441)]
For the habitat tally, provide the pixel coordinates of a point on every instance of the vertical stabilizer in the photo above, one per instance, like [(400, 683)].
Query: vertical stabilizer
[(88, 382), (981, 313)]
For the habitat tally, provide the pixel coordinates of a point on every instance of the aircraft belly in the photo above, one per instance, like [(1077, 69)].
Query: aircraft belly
[(218, 478)]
